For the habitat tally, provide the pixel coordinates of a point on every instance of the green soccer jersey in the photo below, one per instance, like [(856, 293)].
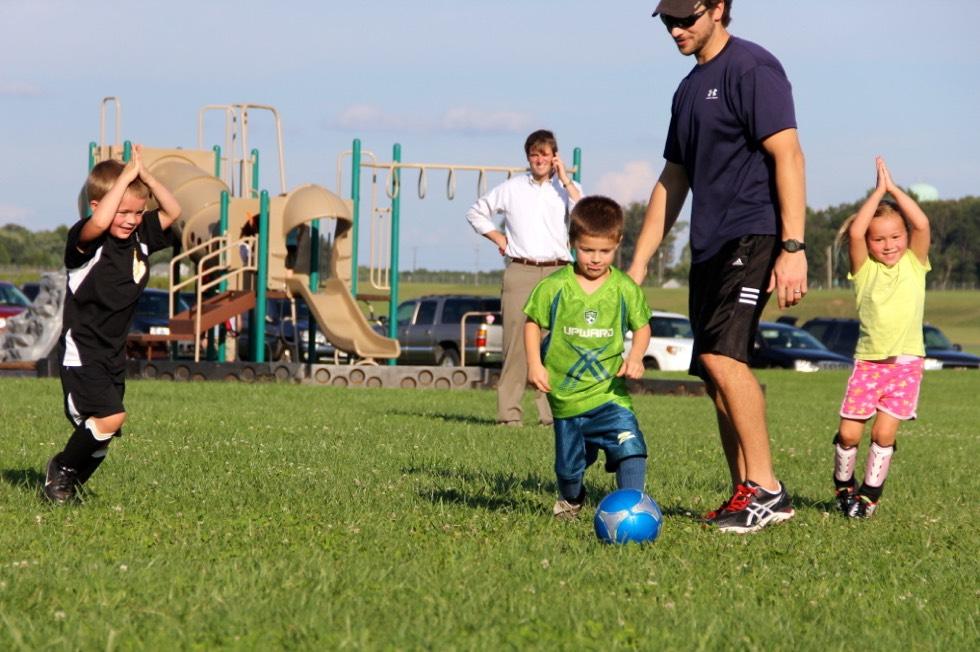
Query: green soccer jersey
[(583, 349)]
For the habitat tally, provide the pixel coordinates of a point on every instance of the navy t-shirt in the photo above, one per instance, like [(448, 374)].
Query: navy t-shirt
[(720, 114)]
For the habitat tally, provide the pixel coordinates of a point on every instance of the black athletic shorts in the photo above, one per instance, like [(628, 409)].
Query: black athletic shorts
[(92, 391), (727, 294)]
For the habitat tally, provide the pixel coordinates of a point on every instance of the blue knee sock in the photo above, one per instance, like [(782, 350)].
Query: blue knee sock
[(631, 473), (571, 490)]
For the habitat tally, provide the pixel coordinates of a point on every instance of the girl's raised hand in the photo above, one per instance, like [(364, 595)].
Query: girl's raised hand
[(884, 176)]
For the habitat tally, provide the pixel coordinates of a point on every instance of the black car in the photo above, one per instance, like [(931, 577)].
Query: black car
[(280, 334), (841, 335), (153, 312), (782, 346), (31, 289), (153, 318)]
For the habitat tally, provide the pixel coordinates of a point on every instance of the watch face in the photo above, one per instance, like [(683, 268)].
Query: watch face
[(793, 245)]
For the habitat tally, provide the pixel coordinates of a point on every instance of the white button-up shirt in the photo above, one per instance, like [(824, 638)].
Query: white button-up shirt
[(535, 217)]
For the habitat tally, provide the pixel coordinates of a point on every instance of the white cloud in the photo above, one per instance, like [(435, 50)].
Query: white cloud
[(633, 183), (368, 116), (10, 214), (455, 120), (19, 89), (467, 120)]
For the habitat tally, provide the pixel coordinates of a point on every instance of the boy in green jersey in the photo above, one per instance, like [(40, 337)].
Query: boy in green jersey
[(587, 308)]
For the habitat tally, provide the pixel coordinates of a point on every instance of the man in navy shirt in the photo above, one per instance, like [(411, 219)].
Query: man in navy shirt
[(733, 143)]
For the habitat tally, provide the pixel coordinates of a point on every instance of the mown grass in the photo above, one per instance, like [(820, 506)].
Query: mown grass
[(291, 517)]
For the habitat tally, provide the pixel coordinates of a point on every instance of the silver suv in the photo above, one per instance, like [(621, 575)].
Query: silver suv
[(430, 329)]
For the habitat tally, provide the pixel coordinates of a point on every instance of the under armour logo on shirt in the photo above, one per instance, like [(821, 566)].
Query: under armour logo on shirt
[(712, 94)]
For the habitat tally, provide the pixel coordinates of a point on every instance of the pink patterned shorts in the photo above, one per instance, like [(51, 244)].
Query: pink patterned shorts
[(890, 387)]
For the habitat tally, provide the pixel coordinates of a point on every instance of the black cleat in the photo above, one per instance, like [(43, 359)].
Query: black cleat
[(60, 482), (845, 499), (863, 507)]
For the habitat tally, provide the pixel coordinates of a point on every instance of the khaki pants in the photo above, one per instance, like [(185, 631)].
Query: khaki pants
[(519, 280)]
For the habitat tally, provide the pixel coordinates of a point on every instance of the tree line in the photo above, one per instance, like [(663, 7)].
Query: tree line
[(955, 252)]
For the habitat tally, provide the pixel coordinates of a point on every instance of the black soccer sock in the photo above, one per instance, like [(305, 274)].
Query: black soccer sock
[(88, 468), (81, 446)]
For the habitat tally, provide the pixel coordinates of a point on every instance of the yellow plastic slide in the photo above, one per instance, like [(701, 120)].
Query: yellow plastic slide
[(341, 319)]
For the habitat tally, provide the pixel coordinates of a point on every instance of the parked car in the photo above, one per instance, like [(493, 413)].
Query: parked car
[(841, 335), (671, 342), (280, 334), (12, 303), (153, 318), (782, 346), (429, 330)]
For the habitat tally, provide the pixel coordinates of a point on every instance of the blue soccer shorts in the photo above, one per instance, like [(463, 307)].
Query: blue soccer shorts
[(609, 427)]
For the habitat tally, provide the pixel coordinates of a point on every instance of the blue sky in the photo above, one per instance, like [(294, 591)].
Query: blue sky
[(464, 82)]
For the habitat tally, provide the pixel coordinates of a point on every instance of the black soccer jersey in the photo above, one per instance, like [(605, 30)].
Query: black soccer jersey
[(104, 284)]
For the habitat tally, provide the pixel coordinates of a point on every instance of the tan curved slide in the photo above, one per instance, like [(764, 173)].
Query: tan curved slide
[(186, 174), (341, 320)]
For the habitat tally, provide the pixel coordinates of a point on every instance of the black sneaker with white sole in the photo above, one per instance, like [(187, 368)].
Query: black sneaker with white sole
[(845, 498), (863, 507), (754, 511), (60, 482)]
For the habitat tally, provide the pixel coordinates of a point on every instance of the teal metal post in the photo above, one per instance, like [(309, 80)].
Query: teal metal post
[(396, 202), (355, 197), (127, 151), (91, 164), (314, 286), (255, 173), (222, 230), (258, 324), (577, 162), (217, 160)]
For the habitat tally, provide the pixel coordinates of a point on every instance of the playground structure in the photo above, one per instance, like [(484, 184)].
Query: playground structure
[(235, 236)]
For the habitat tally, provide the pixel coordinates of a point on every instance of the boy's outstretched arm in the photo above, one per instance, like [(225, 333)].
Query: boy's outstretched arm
[(537, 375), (104, 211), (666, 200), (857, 246), (632, 366), (169, 207), (919, 235)]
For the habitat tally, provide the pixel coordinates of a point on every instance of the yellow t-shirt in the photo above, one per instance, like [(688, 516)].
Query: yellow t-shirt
[(890, 303)]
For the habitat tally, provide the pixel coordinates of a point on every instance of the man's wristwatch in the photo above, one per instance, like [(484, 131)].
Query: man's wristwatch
[(792, 246)]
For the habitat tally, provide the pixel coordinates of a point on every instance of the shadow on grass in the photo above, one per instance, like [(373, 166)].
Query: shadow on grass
[(445, 416), (509, 492), (484, 490), (30, 479), (824, 504)]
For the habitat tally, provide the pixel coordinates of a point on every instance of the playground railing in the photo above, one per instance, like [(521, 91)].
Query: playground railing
[(210, 275)]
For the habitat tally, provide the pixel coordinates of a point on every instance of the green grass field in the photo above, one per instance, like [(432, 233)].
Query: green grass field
[(273, 516)]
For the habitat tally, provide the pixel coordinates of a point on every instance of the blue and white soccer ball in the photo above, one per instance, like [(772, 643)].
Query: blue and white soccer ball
[(627, 515)]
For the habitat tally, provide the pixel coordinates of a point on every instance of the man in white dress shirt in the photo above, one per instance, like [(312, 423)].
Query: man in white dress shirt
[(534, 242)]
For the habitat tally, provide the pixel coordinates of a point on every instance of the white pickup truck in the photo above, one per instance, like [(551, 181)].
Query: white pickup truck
[(450, 330)]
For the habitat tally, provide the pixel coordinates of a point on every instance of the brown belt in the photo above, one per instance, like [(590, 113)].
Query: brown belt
[(539, 263)]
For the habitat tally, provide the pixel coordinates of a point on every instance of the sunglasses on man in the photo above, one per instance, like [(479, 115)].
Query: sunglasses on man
[(670, 22)]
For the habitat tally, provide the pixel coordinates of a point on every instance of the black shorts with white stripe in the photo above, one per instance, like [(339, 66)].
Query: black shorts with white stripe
[(727, 295)]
